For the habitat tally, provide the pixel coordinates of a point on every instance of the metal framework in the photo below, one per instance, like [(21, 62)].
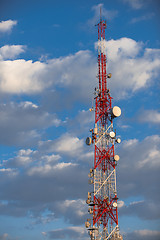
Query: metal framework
[(102, 202)]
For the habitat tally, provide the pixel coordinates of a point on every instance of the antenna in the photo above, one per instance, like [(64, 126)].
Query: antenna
[(100, 13)]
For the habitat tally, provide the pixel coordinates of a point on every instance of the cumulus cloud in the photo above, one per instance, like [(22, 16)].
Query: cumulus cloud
[(20, 76), (48, 170), (132, 66), (139, 168), (23, 158), (142, 18), (149, 116), (11, 51), (9, 172), (146, 153), (135, 4), (70, 232), (68, 144), (143, 234), (22, 123), (56, 173), (6, 26), (59, 172), (81, 124), (73, 211), (65, 144), (146, 210)]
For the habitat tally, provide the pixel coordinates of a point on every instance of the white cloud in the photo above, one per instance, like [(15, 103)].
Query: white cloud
[(142, 18), (28, 104), (63, 165), (53, 173), (23, 123), (124, 126), (135, 4), (139, 167), (147, 232), (5, 170), (151, 52), (130, 143), (133, 67), (9, 172), (81, 123), (50, 158), (79, 233), (83, 120), (39, 161), (85, 117), (143, 234), (40, 170), (47, 169), (66, 144), (138, 208), (23, 158), (149, 116), (6, 26), (122, 48), (57, 173), (148, 156), (25, 152), (20, 76), (40, 189), (11, 51), (151, 159), (74, 210)]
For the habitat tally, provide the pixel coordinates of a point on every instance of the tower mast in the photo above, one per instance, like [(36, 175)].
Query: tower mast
[(102, 202)]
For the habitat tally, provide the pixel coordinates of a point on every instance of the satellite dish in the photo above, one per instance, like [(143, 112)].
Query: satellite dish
[(116, 157), (116, 112), (118, 140), (109, 75), (114, 204), (112, 134), (88, 141)]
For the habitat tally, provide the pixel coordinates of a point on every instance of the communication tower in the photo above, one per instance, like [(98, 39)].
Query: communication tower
[(102, 201)]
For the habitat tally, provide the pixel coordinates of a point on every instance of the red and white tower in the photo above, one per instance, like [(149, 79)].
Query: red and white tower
[(102, 201)]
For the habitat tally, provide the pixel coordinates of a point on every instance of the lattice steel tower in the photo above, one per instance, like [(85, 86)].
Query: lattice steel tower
[(102, 201)]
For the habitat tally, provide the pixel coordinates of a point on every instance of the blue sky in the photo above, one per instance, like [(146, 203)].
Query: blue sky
[(48, 67)]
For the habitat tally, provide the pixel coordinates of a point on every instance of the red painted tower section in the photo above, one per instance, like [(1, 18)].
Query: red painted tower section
[(103, 200)]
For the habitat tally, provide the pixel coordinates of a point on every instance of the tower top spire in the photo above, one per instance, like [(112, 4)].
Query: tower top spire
[(100, 13)]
